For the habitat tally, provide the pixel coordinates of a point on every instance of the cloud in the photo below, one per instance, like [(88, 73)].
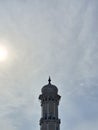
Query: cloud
[(57, 38)]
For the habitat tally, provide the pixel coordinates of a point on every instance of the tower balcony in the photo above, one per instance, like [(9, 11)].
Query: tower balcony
[(47, 120)]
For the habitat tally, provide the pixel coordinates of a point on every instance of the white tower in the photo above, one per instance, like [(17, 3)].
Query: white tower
[(49, 105)]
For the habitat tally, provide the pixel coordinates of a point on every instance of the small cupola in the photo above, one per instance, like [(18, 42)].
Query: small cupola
[(49, 88)]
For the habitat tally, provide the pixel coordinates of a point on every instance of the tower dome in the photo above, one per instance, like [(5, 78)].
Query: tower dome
[(49, 88)]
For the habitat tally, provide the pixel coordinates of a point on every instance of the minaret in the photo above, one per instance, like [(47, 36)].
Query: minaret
[(49, 105)]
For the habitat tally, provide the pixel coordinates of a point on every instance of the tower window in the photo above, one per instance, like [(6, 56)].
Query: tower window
[(45, 116)]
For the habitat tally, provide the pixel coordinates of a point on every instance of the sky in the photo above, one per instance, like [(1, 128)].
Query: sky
[(49, 37)]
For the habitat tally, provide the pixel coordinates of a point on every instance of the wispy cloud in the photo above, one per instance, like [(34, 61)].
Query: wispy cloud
[(57, 38)]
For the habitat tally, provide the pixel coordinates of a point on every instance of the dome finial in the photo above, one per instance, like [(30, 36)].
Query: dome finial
[(49, 80)]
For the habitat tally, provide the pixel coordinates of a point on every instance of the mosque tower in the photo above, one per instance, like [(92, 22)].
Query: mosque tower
[(49, 105)]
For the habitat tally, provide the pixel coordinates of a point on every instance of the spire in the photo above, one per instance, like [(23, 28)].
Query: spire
[(49, 80)]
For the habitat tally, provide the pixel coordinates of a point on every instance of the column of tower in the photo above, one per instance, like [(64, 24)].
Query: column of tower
[(49, 105)]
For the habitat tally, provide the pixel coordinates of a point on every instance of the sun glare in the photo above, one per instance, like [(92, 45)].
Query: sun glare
[(3, 54)]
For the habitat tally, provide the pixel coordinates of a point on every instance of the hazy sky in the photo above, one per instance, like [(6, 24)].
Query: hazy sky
[(49, 37)]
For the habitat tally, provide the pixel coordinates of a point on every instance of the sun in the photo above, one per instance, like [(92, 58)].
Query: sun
[(3, 53)]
